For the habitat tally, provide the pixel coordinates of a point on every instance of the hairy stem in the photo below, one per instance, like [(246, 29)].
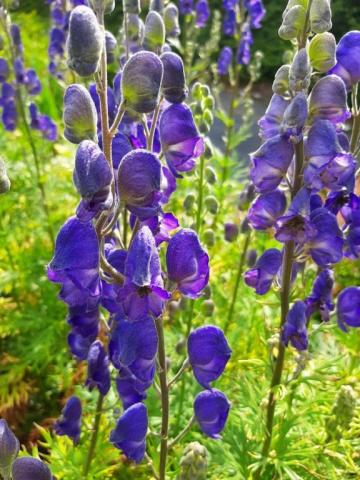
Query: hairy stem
[(94, 435), (164, 398)]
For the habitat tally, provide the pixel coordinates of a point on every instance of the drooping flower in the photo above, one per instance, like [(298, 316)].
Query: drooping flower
[(208, 352), (348, 308), (256, 12), (229, 22), (80, 116), (171, 20), (186, 7), (180, 140), (295, 117), (4, 70), (348, 59), (154, 32), (69, 423), (266, 209), (129, 434), (211, 409), (224, 61), (202, 13), (187, 263), (7, 101), (32, 82), (110, 44), (173, 85), (131, 390), (328, 100), (43, 123), (84, 322), (231, 231), (270, 123), (320, 299), (262, 275), (30, 468), (98, 374), (9, 448), (294, 329), (243, 55)]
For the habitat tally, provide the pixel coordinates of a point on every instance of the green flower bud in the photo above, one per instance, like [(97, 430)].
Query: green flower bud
[(205, 91), (208, 308), (207, 292), (211, 204), (135, 27), (208, 102), (208, 151), (193, 463), (189, 202), (281, 81), (293, 23), (131, 6), (9, 449), (300, 72), (198, 109), (320, 16), (196, 91), (157, 6), (171, 20), (80, 117), (209, 238), (204, 127), (210, 175), (180, 346), (208, 117), (106, 6), (154, 34), (4, 179), (322, 50)]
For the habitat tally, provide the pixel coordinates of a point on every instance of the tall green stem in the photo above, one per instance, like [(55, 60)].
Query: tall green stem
[(164, 398), (94, 435)]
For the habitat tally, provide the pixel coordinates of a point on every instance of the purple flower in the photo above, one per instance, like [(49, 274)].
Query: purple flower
[(336, 200), (229, 4), (69, 423), (130, 389), (9, 448), (209, 353), (29, 468), (328, 100), (84, 322), (262, 275), (348, 59), (348, 308), (110, 101), (16, 38), (180, 139), (80, 116), (294, 329), (256, 12), (271, 122), (173, 84), (4, 70), (92, 178), (224, 61), (295, 117), (231, 232), (266, 209), (329, 166), (121, 145), (270, 163), (320, 299), (129, 434), (187, 263), (243, 55), (161, 226), (43, 123), (98, 374), (211, 409), (229, 22), (32, 82), (202, 13), (186, 7), (139, 178), (9, 114)]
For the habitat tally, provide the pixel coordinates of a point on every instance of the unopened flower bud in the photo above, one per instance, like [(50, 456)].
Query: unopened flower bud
[(208, 117), (183, 303), (106, 6), (80, 117), (111, 44), (135, 27), (211, 204), (293, 22), (251, 257), (209, 238), (180, 346), (29, 468), (131, 6), (320, 16), (141, 80), (9, 449), (210, 175), (208, 151), (300, 72), (171, 20), (157, 6), (154, 34), (322, 50), (4, 181), (208, 308), (344, 407), (173, 84), (281, 81), (85, 41), (231, 232), (208, 103), (245, 226), (207, 292), (189, 202), (193, 463), (196, 91)]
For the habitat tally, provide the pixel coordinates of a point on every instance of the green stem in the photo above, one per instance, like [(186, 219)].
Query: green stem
[(229, 131), (164, 398), (153, 125), (200, 197), (94, 435), (356, 124), (182, 433), (237, 281)]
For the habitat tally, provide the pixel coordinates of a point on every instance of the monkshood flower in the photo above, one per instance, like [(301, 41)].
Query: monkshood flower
[(266, 209), (143, 292), (243, 55), (229, 22), (348, 308), (202, 13), (186, 7), (129, 434), (85, 41), (256, 12), (161, 226), (224, 61), (32, 82), (110, 45), (92, 178), (141, 81), (336, 200), (76, 263), (348, 59), (351, 215), (328, 100), (9, 448), (154, 33), (180, 139), (130, 389), (320, 299), (139, 182), (29, 468), (4, 70), (84, 322), (208, 352), (270, 124), (270, 163), (58, 35), (132, 349), (211, 409), (171, 20), (300, 72), (187, 263), (262, 275), (329, 166), (112, 107), (231, 232), (16, 39), (43, 123), (294, 329), (121, 145), (98, 373), (69, 423), (173, 85), (229, 4), (80, 116), (295, 117), (7, 101)]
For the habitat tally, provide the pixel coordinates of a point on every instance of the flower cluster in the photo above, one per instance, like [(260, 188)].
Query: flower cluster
[(200, 9), (122, 133)]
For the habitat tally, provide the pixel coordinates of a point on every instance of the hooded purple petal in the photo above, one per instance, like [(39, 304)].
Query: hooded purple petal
[(98, 373), (224, 61), (266, 209), (348, 59), (270, 123), (262, 275), (69, 423), (294, 329), (320, 299), (348, 308), (328, 100), (211, 409)]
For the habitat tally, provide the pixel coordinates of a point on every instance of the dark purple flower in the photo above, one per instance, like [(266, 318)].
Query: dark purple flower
[(9, 448), (43, 123), (161, 226), (320, 299), (16, 38), (84, 322), (336, 200), (229, 22), (262, 275), (271, 122), (29, 468), (69, 423), (111, 45), (211, 409), (328, 100), (121, 145), (270, 163), (231, 232), (32, 82), (9, 115), (130, 389), (294, 329), (168, 185), (80, 116), (348, 59), (139, 179), (295, 117), (173, 84), (98, 374), (224, 61), (348, 308), (19, 70), (229, 4), (208, 352), (186, 7), (187, 263), (202, 13), (180, 140), (4, 70), (256, 12), (243, 55), (129, 434), (266, 209)]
